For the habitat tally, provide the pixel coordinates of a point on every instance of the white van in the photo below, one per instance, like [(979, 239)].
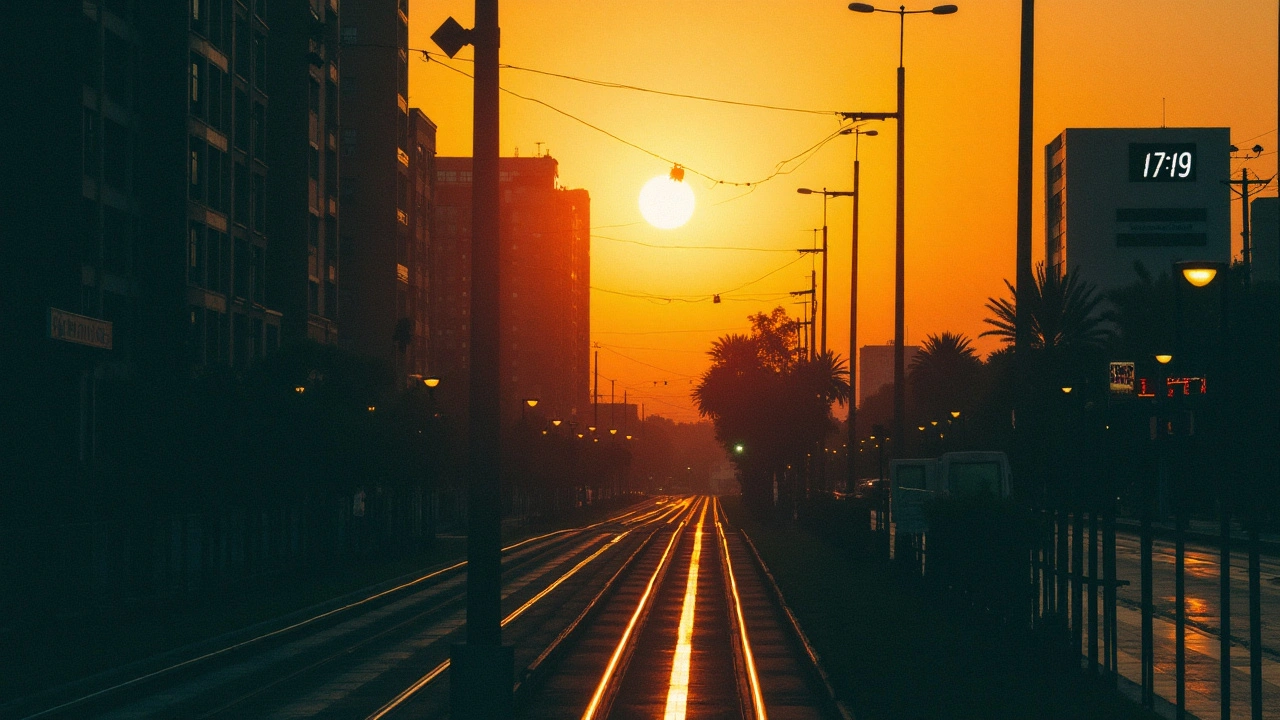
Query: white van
[(915, 481)]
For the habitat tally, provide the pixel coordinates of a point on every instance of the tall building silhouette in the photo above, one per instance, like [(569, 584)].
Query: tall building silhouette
[(135, 195), (302, 183), (422, 179), (374, 240), (545, 286)]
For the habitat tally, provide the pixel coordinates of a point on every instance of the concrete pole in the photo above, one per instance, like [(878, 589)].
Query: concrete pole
[(482, 669)]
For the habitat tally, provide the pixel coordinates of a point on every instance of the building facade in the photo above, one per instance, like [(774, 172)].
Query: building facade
[(1116, 197), (422, 180), (375, 186), (134, 199), (545, 285), (1264, 232), (875, 368), (302, 148)]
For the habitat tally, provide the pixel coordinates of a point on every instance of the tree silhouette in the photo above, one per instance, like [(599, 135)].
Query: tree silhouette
[(1066, 326), (766, 397), (946, 375)]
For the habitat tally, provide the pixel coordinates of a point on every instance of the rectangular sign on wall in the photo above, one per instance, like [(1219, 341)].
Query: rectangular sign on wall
[(1122, 378), (70, 327)]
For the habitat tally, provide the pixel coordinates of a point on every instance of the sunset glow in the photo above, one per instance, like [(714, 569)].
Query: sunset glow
[(1092, 69), (666, 203)]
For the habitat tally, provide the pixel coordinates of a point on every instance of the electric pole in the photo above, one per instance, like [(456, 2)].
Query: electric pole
[(1244, 183)]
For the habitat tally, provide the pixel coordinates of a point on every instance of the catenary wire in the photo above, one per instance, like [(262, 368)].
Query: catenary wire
[(779, 169)]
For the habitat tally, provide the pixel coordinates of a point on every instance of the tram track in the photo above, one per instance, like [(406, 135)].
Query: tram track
[(690, 633), (229, 680)]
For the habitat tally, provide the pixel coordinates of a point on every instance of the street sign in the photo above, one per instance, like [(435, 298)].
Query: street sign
[(70, 327)]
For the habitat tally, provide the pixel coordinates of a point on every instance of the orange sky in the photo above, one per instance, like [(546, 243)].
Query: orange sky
[(1099, 63)]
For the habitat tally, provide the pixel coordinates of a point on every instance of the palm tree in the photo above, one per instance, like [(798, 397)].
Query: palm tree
[(764, 396), (1063, 313), (946, 375)]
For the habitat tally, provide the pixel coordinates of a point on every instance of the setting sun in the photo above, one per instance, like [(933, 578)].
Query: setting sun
[(666, 203)]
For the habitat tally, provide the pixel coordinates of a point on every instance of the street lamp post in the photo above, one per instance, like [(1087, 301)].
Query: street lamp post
[(482, 669), (825, 193), (899, 297), (858, 132), (1199, 275)]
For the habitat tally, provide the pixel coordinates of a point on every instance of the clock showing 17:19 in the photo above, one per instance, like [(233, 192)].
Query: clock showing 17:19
[(1162, 162)]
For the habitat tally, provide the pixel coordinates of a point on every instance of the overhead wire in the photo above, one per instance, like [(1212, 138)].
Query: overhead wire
[(668, 299), (781, 168), (638, 88), (692, 247)]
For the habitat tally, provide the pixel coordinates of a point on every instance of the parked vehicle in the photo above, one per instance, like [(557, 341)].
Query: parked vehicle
[(915, 481)]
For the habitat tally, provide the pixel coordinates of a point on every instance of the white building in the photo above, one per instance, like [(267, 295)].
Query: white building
[(1120, 196)]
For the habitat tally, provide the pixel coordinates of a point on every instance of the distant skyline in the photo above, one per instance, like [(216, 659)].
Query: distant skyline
[(1098, 64)]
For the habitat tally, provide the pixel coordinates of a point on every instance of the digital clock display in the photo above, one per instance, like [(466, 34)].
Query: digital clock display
[(1162, 162)]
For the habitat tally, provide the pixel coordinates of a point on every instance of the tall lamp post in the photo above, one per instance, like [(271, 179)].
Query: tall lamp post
[(851, 477), (1199, 275), (899, 319), (825, 193), (481, 670)]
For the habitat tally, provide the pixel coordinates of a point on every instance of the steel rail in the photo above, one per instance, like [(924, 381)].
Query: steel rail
[(438, 670), (607, 685), (753, 678), (295, 626)]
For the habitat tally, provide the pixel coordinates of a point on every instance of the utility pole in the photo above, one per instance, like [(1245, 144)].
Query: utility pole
[(482, 670), (1024, 277), (1244, 183), (824, 270), (595, 392)]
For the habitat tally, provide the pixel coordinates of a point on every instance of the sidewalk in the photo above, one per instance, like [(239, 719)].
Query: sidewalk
[(1203, 699), (894, 652), (1207, 532)]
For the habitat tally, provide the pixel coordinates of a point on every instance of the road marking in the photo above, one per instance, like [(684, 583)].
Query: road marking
[(678, 688)]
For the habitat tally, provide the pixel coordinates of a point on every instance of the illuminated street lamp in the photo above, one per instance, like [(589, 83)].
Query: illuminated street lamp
[(527, 403), (1164, 358), (431, 382), (556, 422), (955, 413), (1066, 389)]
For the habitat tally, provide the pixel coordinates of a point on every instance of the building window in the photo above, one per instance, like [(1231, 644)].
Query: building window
[(348, 142), (241, 111), (241, 193), (350, 35), (242, 48), (197, 106), (259, 62), (92, 142)]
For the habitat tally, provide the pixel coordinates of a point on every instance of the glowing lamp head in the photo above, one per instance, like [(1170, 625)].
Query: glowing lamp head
[(556, 422), (1067, 390), (1199, 277), (431, 381), (955, 413), (667, 202), (1164, 358), (739, 448), (531, 402)]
